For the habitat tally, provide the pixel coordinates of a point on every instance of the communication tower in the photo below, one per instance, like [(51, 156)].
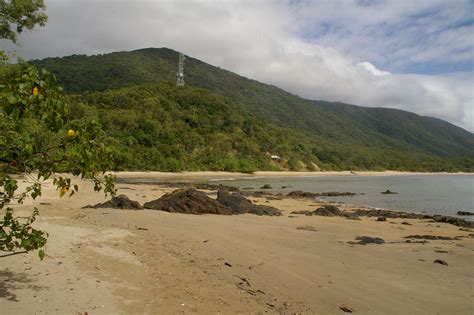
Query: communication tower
[(180, 74)]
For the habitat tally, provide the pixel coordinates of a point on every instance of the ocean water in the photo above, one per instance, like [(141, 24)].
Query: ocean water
[(432, 194)]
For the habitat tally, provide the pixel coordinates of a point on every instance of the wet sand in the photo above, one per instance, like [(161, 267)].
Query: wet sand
[(107, 261)]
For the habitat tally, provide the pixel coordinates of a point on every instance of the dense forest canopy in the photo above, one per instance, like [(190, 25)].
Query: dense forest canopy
[(223, 121)]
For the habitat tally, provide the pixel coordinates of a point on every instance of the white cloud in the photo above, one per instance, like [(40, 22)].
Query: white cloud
[(264, 41)]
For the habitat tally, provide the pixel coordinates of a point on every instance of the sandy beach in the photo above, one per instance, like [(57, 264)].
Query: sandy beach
[(110, 261)]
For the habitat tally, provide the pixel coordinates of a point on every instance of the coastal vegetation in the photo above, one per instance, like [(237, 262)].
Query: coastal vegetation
[(36, 137), (223, 121)]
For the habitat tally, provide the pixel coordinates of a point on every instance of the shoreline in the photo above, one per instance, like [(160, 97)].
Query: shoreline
[(221, 174)]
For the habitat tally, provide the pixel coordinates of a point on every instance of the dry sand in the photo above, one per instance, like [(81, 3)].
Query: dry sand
[(106, 261)]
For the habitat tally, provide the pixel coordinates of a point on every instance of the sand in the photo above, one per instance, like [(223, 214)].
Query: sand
[(106, 261)]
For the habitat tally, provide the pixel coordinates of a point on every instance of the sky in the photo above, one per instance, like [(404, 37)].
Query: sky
[(414, 55)]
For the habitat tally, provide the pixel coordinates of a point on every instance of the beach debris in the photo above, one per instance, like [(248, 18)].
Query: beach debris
[(406, 223), (465, 213), (434, 237), (266, 186), (346, 309), (441, 262), (189, 201), (205, 241), (227, 264), (328, 211), (118, 202), (364, 240), (389, 192), (141, 228), (239, 204), (441, 251), (382, 219), (307, 228)]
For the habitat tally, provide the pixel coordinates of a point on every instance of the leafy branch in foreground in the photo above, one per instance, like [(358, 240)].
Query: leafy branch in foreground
[(38, 141)]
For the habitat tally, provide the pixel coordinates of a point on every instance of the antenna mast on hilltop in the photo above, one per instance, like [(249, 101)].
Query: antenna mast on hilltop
[(180, 74)]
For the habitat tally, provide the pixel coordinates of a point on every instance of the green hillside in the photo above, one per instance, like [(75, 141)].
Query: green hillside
[(237, 123)]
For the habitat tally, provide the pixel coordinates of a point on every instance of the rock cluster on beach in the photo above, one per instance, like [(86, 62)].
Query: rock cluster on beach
[(304, 194), (118, 202), (239, 204), (190, 201), (232, 201), (331, 210)]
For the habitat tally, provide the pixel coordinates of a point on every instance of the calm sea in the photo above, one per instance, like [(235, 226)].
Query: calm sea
[(433, 194)]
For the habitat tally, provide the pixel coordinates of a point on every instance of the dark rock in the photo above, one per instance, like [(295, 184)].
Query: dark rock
[(266, 186), (305, 212), (257, 193), (345, 308), (265, 210), (406, 223), (335, 194), (465, 213), (300, 194), (441, 262), (215, 187), (328, 211), (454, 221), (388, 192), (381, 219), (364, 240), (434, 237), (118, 202), (236, 202), (188, 201), (303, 194), (239, 204)]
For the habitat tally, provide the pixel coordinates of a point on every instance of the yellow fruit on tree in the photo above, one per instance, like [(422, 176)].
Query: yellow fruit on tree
[(35, 91), (63, 191), (71, 133)]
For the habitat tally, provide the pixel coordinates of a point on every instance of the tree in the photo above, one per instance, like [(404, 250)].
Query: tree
[(36, 137), (18, 15)]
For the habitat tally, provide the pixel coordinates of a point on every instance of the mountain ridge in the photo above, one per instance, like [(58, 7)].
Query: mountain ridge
[(332, 122)]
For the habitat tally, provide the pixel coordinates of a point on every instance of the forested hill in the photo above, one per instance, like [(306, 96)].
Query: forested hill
[(329, 135)]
